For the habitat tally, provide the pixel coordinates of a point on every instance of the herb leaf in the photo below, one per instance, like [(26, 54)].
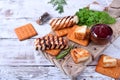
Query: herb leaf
[(58, 4), (90, 17)]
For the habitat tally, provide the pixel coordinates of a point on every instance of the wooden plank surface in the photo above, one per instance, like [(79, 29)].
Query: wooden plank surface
[(14, 52), (45, 73), (19, 60)]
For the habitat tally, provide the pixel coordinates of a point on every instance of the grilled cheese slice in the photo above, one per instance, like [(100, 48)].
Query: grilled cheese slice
[(109, 61), (80, 32), (79, 55), (64, 22), (76, 19)]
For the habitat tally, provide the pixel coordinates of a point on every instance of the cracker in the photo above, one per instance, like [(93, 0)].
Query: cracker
[(25, 32), (71, 37), (113, 72), (62, 32), (118, 62), (53, 52)]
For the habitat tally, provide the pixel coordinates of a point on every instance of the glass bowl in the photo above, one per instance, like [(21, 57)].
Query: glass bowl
[(101, 34)]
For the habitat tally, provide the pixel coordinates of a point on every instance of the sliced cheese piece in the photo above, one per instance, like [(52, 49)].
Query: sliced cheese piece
[(76, 19), (80, 32), (109, 61), (79, 55)]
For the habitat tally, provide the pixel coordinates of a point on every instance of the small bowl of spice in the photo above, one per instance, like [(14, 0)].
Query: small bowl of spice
[(101, 34)]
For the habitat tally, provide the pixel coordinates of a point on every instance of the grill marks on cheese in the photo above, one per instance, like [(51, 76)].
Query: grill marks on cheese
[(50, 42), (60, 23), (79, 55)]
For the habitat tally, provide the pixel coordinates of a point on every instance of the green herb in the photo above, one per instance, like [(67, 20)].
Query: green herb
[(64, 53), (58, 4), (90, 17)]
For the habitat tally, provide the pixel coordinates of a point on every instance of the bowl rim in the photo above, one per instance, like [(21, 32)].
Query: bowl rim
[(93, 34)]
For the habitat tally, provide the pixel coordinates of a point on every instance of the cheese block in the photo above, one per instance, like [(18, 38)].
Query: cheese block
[(79, 55), (80, 32), (109, 61)]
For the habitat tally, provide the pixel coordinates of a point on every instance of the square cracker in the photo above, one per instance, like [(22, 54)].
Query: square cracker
[(62, 32), (25, 32), (53, 52), (113, 72)]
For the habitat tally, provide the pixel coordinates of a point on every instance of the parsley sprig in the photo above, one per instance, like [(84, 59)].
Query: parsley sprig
[(90, 17), (58, 4)]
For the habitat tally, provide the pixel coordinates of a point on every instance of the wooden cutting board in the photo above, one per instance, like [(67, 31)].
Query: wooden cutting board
[(71, 69), (68, 66)]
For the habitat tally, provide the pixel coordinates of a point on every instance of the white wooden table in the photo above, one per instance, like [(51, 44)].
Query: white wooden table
[(18, 59)]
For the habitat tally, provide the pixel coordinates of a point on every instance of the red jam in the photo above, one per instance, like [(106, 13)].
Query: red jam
[(101, 34)]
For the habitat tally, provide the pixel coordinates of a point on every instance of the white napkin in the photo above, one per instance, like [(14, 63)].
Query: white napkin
[(114, 49)]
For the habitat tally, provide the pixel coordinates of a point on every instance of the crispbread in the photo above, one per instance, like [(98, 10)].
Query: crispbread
[(25, 32), (53, 52), (113, 72), (62, 32)]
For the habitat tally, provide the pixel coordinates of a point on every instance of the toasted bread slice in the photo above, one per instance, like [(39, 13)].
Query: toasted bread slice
[(109, 61), (71, 37), (80, 32), (79, 55), (53, 52)]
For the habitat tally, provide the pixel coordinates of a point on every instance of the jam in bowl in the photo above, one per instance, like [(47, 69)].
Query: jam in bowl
[(101, 34)]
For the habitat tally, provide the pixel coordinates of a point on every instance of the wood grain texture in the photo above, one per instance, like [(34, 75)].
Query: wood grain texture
[(26, 63), (45, 73), (15, 52)]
